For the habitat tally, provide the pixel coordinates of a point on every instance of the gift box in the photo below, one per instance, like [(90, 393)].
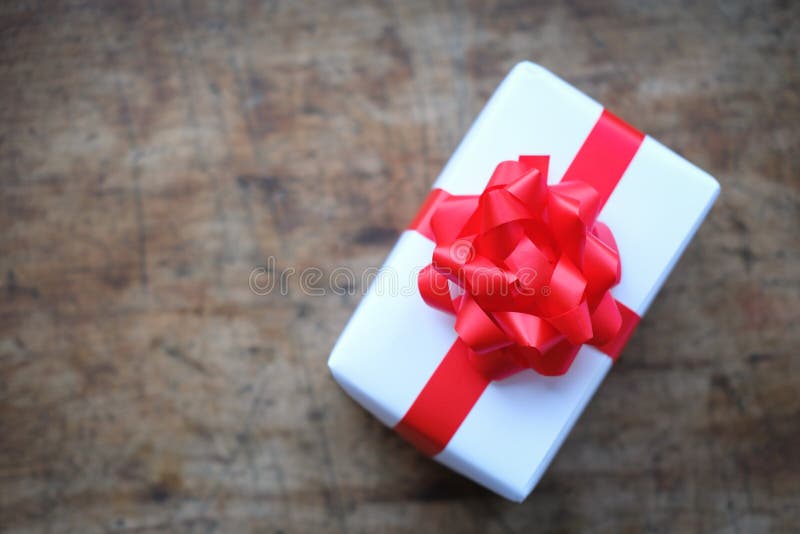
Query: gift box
[(506, 301)]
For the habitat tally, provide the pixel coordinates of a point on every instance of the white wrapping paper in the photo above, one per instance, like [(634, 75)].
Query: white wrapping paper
[(394, 341)]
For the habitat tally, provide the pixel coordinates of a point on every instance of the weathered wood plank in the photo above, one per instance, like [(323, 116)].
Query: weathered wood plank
[(152, 154)]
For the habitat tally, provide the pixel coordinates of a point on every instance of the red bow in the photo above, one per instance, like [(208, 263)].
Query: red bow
[(526, 269)]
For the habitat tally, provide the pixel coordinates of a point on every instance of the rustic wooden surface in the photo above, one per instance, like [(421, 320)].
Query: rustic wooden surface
[(152, 154)]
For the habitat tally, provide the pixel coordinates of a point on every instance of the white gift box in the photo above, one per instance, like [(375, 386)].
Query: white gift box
[(395, 341)]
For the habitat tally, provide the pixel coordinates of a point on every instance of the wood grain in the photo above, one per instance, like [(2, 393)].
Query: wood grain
[(152, 154)]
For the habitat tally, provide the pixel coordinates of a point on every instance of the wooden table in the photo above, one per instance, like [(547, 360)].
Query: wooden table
[(153, 154)]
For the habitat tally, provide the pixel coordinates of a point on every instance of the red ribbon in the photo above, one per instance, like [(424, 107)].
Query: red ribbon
[(527, 270)]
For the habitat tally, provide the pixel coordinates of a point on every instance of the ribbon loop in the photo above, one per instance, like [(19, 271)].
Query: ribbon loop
[(531, 266)]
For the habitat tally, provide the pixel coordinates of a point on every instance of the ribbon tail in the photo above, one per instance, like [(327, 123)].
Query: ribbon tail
[(444, 402)]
